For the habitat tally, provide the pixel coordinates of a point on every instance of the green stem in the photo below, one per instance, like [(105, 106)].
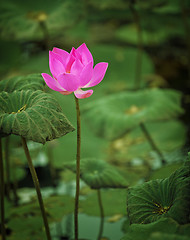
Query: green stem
[(101, 214), (2, 192), (7, 167), (140, 45), (37, 186), (152, 143), (77, 168)]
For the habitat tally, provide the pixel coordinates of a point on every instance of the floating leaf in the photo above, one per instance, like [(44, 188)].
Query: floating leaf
[(32, 81), (34, 115), (169, 197), (112, 116), (99, 174), (162, 226)]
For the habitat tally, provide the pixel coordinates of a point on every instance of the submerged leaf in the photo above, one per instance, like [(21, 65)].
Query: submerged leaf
[(36, 116), (32, 81), (169, 197), (113, 116), (99, 174)]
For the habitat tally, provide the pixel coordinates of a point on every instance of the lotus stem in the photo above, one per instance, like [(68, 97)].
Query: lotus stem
[(2, 192), (101, 214), (7, 167), (152, 143), (77, 168), (140, 45), (37, 186)]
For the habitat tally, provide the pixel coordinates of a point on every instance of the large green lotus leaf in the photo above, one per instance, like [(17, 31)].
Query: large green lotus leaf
[(114, 203), (99, 174), (169, 197), (32, 81), (135, 145), (113, 116), (34, 115), (26, 19), (161, 226)]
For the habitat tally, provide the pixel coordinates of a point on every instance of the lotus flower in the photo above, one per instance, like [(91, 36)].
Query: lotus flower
[(73, 71)]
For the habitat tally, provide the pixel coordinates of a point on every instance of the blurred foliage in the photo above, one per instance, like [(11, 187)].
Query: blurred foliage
[(35, 19), (111, 29), (135, 145), (113, 116)]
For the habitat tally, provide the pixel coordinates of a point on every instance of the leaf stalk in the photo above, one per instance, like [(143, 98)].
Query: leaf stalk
[(37, 186)]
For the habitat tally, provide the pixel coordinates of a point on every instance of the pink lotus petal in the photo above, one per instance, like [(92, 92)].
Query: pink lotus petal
[(52, 83), (68, 81), (86, 74), (76, 68), (85, 53), (56, 67), (70, 60), (83, 94), (62, 53), (98, 74)]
